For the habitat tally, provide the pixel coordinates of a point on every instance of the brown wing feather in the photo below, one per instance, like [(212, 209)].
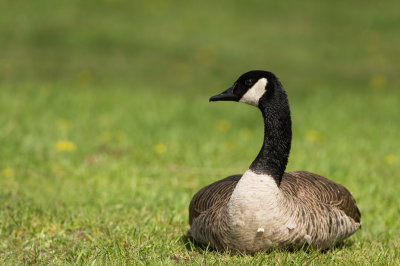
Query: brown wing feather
[(216, 193), (304, 184)]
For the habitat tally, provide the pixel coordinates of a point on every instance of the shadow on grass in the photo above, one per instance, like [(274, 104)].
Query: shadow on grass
[(193, 246)]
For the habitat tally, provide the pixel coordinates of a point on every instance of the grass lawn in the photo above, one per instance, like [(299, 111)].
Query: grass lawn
[(106, 131)]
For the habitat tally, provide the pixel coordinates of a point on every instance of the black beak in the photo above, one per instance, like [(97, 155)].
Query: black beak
[(225, 96)]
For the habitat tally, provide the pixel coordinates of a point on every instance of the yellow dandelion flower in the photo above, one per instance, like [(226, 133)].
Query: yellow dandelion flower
[(63, 124), (160, 148), (65, 145), (314, 137), (378, 82), (223, 125), (7, 172), (390, 159)]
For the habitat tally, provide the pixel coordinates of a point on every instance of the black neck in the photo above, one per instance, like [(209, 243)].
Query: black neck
[(273, 156)]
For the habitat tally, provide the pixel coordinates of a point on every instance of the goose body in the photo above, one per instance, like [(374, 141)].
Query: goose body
[(267, 207)]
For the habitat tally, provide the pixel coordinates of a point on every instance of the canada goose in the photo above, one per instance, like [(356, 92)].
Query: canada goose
[(267, 207)]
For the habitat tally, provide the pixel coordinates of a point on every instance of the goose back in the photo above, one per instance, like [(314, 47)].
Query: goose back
[(313, 187)]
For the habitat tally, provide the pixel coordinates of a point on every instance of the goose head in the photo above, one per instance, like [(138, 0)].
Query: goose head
[(253, 87), (263, 90)]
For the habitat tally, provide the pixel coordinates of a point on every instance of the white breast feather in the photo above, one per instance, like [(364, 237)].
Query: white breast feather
[(253, 208)]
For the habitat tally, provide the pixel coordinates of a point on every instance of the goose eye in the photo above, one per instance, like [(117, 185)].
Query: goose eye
[(248, 82)]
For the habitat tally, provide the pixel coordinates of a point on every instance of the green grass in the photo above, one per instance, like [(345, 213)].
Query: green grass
[(128, 83)]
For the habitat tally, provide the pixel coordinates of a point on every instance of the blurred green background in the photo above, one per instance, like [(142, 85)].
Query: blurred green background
[(106, 131), (189, 46)]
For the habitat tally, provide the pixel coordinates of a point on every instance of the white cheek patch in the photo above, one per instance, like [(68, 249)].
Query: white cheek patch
[(253, 95)]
